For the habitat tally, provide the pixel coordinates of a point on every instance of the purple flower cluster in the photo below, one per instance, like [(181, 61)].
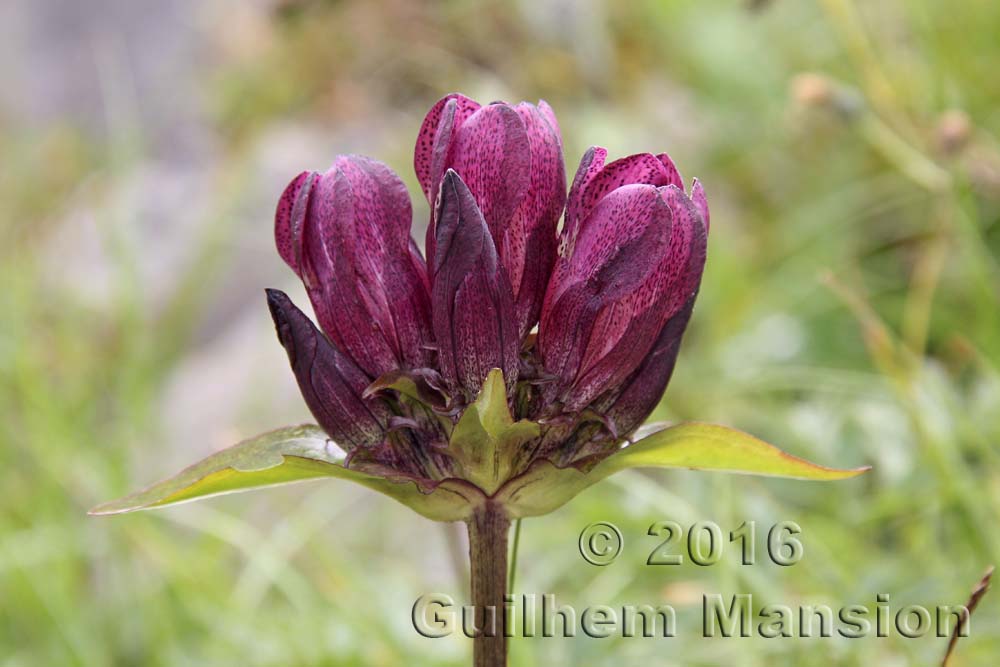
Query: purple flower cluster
[(408, 340)]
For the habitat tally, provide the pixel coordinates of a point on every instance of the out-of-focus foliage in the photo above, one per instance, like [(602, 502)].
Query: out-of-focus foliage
[(849, 314)]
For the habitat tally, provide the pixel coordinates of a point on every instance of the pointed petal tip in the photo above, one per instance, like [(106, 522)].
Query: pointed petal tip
[(696, 186), (453, 181), (701, 202), (277, 302), (283, 315)]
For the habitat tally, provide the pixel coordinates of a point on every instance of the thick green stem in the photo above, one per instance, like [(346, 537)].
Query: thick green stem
[(488, 531)]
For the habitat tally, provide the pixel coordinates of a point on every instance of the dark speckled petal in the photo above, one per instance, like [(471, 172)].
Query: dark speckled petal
[(664, 292), (510, 157), (289, 219), (527, 245), (347, 235), (472, 302), (620, 245), (700, 202), (640, 168), (492, 155), (590, 165), (673, 174), (649, 255), (435, 138)]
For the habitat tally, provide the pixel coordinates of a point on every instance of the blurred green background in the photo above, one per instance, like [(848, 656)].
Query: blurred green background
[(849, 313)]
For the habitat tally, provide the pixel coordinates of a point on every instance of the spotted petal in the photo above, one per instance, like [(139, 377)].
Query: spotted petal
[(346, 233), (472, 302)]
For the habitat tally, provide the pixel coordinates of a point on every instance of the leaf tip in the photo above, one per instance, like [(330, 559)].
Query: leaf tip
[(111, 508)]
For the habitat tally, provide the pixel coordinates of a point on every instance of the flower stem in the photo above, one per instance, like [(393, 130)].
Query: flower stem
[(513, 557), (488, 531)]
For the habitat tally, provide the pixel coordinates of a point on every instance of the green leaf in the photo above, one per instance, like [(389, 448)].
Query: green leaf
[(486, 436), (711, 447), (544, 487), (291, 454)]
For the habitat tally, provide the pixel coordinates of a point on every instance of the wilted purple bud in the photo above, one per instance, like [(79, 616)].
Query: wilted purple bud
[(510, 157), (346, 233), (330, 382), (472, 302), (632, 256)]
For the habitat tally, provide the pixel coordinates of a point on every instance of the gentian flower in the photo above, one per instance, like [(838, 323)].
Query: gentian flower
[(427, 377), (409, 344)]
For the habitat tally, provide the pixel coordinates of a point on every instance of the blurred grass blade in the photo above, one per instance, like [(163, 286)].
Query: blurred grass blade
[(711, 447), (544, 487), (290, 454)]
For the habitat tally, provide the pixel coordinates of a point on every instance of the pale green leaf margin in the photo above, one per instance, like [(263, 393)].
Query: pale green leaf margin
[(291, 454)]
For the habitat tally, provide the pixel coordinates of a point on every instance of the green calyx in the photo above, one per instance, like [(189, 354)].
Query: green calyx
[(486, 438)]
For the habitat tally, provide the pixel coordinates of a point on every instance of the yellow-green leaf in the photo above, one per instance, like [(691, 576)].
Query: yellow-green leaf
[(544, 487), (712, 447), (291, 454)]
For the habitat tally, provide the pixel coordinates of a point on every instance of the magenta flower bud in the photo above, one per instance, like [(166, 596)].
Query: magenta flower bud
[(632, 256), (510, 157), (472, 301), (331, 384), (346, 233)]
